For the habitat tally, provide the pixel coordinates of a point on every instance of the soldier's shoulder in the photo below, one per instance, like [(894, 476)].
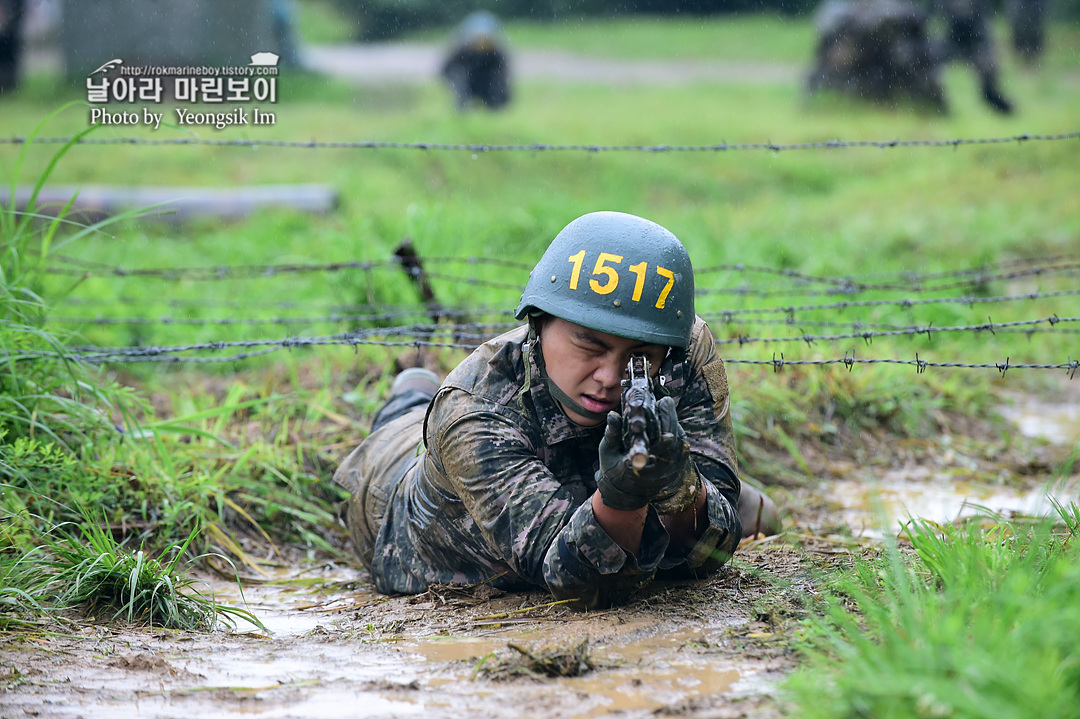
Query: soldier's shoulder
[(702, 349), (495, 371)]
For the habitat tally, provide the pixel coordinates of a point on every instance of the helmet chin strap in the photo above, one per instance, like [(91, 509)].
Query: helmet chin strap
[(553, 389), (567, 403)]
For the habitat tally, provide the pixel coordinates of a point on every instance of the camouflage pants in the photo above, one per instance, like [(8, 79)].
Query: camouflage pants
[(373, 469)]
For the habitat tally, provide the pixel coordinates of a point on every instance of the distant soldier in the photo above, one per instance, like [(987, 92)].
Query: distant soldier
[(11, 21), (477, 67), (1027, 19), (876, 50), (968, 38)]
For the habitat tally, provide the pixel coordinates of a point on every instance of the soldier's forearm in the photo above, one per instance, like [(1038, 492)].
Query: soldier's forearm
[(687, 526), (623, 526)]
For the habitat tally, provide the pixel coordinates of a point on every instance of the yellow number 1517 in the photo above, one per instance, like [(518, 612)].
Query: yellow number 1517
[(603, 269)]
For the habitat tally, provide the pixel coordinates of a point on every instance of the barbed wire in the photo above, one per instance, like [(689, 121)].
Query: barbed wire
[(929, 330), (852, 287), (849, 360), (727, 316), (420, 335), (483, 330), (790, 310), (546, 147), (849, 287), (227, 321), (905, 276), (905, 280), (223, 272)]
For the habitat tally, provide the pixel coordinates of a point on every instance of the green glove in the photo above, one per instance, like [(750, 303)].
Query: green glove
[(668, 471)]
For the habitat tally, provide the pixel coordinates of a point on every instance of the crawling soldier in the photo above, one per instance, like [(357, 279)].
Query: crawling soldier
[(969, 38), (477, 67), (515, 472)]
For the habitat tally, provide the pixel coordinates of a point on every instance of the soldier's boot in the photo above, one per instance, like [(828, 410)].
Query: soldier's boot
[(758, 513), (993, 96), (415, 378), (412, 389)]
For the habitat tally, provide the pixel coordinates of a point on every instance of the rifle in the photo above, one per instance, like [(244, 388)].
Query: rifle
[(639, 410)]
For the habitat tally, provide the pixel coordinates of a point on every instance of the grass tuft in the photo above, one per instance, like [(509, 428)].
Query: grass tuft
[(561, 661), (91, 571), (981, 622)]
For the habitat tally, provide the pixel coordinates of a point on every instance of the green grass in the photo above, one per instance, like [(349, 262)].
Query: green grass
[(71, 437), (322, 22), (731, 38), (982, 622), (88, 570)]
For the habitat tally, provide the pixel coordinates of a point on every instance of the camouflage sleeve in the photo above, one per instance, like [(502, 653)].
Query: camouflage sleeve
[(587, 564), (703, 414), (543, 529)]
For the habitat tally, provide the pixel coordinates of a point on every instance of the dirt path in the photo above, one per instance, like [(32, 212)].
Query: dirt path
[(414, 63)]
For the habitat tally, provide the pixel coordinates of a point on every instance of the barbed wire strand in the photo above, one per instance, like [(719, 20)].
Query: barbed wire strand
[(907, 303), (546, 147), (483, 330), (904, 279), (848, 360), (417, 332)]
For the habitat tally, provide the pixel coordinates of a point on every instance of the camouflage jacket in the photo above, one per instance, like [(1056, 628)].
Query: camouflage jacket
[(500, 490)]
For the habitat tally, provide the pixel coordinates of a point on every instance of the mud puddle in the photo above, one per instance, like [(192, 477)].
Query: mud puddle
[(338, 653), (883, 500), (872, 508), (1056, 422)]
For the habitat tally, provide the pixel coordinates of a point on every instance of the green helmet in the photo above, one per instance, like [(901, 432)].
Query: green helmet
[(619, 274)]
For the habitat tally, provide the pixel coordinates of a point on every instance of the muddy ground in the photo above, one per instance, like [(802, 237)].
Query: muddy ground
[(714, 648)]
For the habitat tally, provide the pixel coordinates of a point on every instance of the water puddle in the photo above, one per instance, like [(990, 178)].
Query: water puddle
[(650, 689), (879, 504), (658, 671), (1056, 422), (291, 603), (325, 704), (870, 506), (638, 676)]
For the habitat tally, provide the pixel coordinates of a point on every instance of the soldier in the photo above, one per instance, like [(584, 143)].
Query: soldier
[(1028, 21), (477, 66), (11, 30), (516, 472), (968, 38), (875, 50)]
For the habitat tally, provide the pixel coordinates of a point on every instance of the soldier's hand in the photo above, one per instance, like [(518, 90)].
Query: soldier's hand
[(664, 477)]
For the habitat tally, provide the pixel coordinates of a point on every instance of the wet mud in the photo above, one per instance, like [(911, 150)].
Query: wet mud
[(716, 647), (337, 649)]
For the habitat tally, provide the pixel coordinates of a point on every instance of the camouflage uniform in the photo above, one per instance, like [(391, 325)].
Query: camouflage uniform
[(477, 66), (969, 38), (876, 50), (499, 490)]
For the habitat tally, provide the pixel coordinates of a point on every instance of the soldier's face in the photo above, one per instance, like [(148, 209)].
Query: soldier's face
[(589, 365)]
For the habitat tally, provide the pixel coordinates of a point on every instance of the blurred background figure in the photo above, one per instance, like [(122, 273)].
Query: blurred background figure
[(969, 39), (477, 65), (283, 26), (1027, 20), (11, 22), (876, 50)]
